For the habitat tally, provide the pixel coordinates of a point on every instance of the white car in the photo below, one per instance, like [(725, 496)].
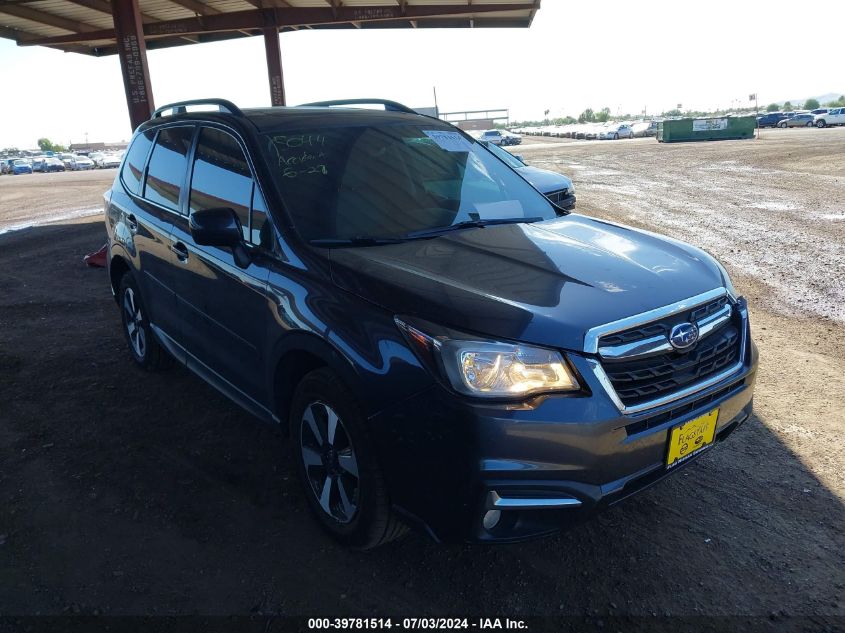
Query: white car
[(80, 163), (834, 116), (109, 160)]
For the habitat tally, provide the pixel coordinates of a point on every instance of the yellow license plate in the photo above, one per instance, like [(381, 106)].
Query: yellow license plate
[(690, 438)]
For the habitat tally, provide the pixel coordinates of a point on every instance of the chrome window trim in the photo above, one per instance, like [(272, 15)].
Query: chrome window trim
[(591, 338), (604, 380)]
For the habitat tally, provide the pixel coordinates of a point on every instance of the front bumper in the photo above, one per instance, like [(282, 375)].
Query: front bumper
[(448, 461)]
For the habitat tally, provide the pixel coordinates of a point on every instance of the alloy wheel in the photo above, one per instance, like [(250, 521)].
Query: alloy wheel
[(133, 320), (331, 466)]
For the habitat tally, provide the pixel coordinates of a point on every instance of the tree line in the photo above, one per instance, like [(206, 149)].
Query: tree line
[(809, 104)]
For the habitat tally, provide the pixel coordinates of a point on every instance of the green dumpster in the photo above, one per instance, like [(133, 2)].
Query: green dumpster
[(713, 129)]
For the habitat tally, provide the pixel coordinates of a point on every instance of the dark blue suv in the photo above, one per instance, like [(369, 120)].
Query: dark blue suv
[(447, 348)]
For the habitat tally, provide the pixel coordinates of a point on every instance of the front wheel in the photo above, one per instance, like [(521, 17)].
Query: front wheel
[(821, 123), (782, 125), (336, 463), (809, 124), (615, 136)]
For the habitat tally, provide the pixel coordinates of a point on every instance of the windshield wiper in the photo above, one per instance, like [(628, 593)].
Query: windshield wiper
[(356, 241), (468, 224)]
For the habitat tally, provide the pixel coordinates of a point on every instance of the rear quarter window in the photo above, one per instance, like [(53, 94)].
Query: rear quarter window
[(136, 157)]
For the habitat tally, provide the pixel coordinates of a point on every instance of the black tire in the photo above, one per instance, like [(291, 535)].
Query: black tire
[(143, 345), (615, 136), (809, 124), (821, 123), (782, 126), (361, 516)]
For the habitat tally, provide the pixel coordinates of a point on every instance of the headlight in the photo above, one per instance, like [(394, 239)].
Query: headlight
[(492, 369)]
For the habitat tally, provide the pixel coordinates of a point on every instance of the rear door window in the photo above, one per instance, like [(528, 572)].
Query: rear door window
[(133, 167), (167, 166)]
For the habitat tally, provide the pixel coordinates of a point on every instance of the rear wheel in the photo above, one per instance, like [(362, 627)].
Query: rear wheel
[(782, 125), (809, 124), (820, 123), (336, 463), (143, 346), (615, 136)]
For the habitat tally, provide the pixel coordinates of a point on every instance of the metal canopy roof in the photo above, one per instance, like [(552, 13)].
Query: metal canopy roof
[(87, 26)]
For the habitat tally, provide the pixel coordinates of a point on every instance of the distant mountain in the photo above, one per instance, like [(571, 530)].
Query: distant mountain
[(830, 96)]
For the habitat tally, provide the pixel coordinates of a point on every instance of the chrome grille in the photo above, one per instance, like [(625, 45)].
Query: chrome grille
[(558, 196), (641, 367)]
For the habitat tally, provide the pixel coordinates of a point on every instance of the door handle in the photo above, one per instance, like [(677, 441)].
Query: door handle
[(180, 250), (132, 223)]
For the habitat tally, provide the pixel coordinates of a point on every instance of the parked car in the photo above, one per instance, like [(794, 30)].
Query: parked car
[(96, 158), (20, 166), (81, 163), (53, 164), (499, 137), (616, 131), (67, 159), (835, 116), (512, 138), (556, 187), (799, 120), (108, 161), (446, 348), (38, 163), (644, 128), (770, 119)]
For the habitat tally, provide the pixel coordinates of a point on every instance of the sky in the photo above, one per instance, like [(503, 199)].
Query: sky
[(620, 55)]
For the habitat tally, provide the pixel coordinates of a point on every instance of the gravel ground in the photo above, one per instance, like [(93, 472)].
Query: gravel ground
[(132, 493), (38, 198)]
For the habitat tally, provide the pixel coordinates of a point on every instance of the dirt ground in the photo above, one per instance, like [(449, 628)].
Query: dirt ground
[(132, 493)]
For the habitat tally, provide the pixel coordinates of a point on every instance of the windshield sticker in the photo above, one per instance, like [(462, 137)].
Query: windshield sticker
[(450, 141)]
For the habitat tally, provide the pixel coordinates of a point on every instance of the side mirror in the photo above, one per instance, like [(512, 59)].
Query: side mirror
[(221, 227), (520, 158)]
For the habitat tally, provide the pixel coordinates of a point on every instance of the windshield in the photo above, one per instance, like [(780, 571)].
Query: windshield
[(389, 181), (505, 155), (20, 162)]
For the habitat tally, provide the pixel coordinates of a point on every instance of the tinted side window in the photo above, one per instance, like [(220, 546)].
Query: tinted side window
[(136, 157), (167, 166), (221, 176)]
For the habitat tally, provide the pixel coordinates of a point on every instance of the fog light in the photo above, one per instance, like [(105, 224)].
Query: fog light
[(491, 519)]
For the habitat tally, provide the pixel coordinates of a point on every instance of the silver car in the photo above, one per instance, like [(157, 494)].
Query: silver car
[(798, 120), (616, 131)]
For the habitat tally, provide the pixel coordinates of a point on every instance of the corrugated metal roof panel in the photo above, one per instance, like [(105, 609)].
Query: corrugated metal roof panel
[(28, 26), (72, 11), (166, 10)]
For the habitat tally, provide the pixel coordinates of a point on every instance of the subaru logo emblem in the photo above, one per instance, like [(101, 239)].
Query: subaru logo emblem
[(683, 336)]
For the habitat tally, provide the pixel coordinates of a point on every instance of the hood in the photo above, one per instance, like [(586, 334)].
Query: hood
[(545, 283), (544, 180)]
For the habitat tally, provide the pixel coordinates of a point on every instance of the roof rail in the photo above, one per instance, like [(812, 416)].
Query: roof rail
[(389, 105), (180, 107)]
